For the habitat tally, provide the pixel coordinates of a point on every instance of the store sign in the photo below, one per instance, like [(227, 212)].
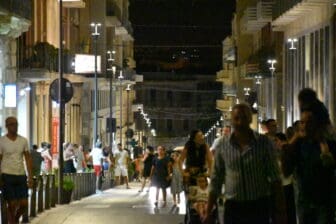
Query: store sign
[(54, 135), (85, 63), (10, 95)]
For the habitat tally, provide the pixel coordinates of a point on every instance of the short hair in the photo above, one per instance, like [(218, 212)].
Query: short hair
[(35, 147), (269, 121), (245, 108), (150, 148), (227, 126), (119, 144), (10, 118), (307, 95)]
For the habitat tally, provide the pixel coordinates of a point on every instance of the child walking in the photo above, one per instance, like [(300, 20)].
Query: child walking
[(176, 186)]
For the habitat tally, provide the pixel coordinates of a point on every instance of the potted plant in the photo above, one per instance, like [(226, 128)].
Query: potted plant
[(68, 186)]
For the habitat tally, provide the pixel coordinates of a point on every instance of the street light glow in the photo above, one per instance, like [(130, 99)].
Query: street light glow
[(292, 42), (95, 25)]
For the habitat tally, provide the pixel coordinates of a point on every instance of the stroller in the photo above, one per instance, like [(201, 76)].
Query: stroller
[(192, 216)]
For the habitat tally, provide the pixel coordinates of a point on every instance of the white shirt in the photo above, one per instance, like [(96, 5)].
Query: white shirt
[(97, 155), (12, 155), (121, 157)]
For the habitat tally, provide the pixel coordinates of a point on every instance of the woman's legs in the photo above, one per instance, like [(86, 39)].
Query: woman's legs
[(164, 194), (157, 196), (174, 198)]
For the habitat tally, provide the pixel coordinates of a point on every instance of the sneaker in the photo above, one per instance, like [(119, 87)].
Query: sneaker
[(140, 191), (127, 187), (147, 190), (156, 204)]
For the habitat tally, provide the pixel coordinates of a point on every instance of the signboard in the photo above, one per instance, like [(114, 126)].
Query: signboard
[(85, 63), (54, 135), (10, 95)]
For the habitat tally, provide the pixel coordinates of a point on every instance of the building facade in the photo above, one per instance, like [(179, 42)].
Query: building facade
[(38, 68), (308, 52), (176, 104)]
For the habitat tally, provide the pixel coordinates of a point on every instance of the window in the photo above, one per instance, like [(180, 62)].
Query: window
[(169, 125)]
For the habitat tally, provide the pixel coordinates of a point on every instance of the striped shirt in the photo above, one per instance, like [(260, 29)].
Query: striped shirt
[(246, 175)]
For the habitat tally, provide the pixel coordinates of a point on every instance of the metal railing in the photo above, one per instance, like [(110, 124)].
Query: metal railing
[(44, 194)]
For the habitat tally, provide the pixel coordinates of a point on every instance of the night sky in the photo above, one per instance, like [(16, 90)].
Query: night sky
[(183, 36)]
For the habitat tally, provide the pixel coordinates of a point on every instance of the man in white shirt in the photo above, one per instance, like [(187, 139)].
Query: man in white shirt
[(97, 162), (13, 148), (121, 160)]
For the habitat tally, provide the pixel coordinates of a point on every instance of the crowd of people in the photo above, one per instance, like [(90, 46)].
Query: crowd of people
[(268, 176)]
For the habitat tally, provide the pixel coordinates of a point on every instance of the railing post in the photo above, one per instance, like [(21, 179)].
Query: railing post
[(80, 183), (47, 193), (40, 195), (53, 191), (33, 199)]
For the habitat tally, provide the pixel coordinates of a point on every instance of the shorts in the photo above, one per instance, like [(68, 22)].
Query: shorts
[(120, 171), (97, 170), (14, 187)]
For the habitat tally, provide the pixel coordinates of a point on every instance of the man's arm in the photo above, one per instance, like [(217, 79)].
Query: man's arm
[(209, 159), (28, 160), (217, 179)]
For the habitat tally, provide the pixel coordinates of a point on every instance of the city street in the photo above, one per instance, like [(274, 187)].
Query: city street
[(117, 205)]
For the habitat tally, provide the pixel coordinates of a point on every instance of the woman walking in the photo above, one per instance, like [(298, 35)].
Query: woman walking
[(147, 163), (160, 174)]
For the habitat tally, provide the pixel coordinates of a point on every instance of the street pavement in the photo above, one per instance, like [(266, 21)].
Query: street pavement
[(117, 205)]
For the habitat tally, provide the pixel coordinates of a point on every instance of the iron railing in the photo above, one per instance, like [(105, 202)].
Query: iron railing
[(44, 194)]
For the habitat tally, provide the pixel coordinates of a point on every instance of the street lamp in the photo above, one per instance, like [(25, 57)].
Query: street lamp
[(247, 91), (95, 34), (121, 77), (256, 106), (128, 89), (271, 104), (292, 42), (113, 69)]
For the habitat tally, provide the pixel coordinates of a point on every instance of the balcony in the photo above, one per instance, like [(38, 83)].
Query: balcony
[(21, 8), (287, 11), (224, 104), (73, 4), (113, 14), (225, 77), (38, 61), (257, 17)]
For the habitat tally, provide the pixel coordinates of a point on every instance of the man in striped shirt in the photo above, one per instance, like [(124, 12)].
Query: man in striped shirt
[(245, 162)]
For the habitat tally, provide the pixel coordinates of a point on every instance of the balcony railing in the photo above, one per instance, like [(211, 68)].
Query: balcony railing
[(43, 56), (20, 8)]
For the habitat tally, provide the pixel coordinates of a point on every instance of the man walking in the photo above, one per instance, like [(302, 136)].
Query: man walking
[(13, 148), (245, 162), (121, 161)]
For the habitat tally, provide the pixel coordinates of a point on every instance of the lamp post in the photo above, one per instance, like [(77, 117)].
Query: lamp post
[(128, 89), (257, 106), (95, 36), (121, 77), (272, 62), (113, 69), (61, 108)]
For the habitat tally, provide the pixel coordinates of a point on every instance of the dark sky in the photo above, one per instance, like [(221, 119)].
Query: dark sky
[(180, 35)]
